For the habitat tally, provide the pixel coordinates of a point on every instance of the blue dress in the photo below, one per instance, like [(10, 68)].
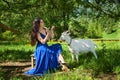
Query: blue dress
[(46, 58)]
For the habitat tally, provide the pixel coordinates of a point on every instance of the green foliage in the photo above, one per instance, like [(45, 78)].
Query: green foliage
[(7, 36), (15, 51), (115, 35), (84, 27), (107, 57), (109, 24), (78, 26), (20, 14), (94, 29)]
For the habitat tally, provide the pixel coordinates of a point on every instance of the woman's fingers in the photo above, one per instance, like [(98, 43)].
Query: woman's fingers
[(47, 29)]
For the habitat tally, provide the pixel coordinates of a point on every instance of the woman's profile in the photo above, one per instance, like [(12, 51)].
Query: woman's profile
[(47, 57)]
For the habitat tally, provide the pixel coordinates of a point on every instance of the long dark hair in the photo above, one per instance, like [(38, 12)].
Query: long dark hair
[(35, 30)]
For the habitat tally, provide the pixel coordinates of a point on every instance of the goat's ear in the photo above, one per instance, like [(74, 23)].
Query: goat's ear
[(68, 31)]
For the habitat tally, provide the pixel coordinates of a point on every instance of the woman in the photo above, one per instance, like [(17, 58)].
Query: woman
[(47, 57)]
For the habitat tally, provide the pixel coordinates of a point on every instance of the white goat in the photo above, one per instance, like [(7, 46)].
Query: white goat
[(78, 46)]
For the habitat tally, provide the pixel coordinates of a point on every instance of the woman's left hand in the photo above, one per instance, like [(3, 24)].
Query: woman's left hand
[(48, 32)]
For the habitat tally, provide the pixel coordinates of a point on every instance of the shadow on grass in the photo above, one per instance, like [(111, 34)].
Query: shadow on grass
[(15, 55), (83, 58), (108, 61)]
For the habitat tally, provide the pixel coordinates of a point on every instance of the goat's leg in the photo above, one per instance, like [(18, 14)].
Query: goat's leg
[(61, 59), (72, 56), (77, 57), (72, 53)]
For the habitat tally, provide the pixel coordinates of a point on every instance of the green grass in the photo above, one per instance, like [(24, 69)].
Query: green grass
[(115, 35), (15, 52), (88, 68)]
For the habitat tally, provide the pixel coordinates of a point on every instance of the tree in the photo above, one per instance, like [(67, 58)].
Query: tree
[(19, 14)]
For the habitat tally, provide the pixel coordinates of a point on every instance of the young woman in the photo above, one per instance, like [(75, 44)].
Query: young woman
[(47, 57)]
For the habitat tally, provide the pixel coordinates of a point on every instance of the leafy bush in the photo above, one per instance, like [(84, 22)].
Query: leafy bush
[(94, 29), (78, 27), (85, 27), (8, 36), (15, 52)]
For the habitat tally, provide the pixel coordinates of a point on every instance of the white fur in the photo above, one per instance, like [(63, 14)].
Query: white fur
[(78, 46)]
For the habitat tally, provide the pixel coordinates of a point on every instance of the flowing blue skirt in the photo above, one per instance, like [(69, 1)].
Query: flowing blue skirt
[(46, 59)]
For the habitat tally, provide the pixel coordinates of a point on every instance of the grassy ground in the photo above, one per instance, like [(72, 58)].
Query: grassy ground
[(112, 35), (107, 66)]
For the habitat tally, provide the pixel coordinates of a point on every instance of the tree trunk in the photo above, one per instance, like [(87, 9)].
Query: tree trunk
[(8, 28)]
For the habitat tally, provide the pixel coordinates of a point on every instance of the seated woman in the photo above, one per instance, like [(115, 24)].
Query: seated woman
[(47, 57)]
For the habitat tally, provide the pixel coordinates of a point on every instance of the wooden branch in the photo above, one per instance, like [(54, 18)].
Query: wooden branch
[(8, 28)]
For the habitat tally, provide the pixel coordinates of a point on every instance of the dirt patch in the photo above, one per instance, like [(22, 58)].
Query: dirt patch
[(108, 76)]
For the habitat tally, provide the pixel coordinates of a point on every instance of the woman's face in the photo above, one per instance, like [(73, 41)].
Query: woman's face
[(41, 23)]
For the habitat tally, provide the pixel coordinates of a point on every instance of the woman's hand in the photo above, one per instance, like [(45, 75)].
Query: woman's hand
[(48, 31), (43, 41), (48, 34)]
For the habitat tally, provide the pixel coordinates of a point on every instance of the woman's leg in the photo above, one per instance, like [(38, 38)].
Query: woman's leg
[(63, 63), (61, 59)]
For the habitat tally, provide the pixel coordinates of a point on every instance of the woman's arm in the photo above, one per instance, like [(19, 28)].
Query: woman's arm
[(43, 41)]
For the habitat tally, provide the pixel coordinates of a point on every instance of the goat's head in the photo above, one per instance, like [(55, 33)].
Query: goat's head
[(64, 35)]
